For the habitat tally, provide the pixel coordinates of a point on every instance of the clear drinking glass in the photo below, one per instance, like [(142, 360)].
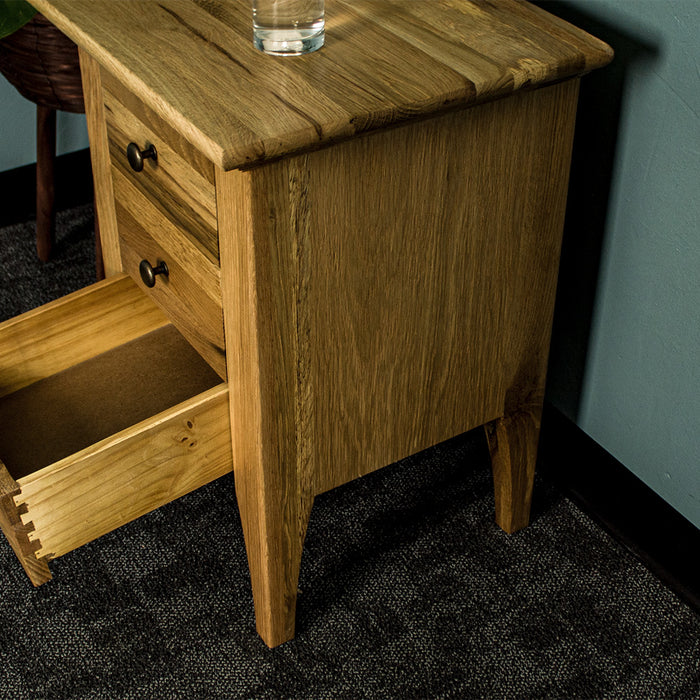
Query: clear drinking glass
[(288, 27)]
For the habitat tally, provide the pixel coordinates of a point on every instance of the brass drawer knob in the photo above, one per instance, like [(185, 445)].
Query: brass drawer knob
[(137, 157), (149, 273)]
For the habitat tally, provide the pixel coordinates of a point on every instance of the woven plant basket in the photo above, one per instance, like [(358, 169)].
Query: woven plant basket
[(42, 63)]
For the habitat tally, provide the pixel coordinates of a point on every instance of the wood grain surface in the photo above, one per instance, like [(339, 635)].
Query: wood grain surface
[(423, 264), (17, 533), (101, 168), (381, 297), (127, 475), (76, 327), (193, 307), (193, 63), (180, 181), (274, 485)]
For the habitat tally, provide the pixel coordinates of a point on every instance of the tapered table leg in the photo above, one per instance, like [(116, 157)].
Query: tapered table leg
[(274, 529), (268, 401)]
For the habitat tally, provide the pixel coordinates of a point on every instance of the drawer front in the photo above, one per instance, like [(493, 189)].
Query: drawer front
[(180, 182), (121, 478), (189, 294), (167, 213), (134, 423)]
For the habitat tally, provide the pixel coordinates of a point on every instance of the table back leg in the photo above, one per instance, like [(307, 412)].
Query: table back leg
[(513, 442)]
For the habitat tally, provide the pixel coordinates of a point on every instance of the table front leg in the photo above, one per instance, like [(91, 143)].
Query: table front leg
[(274, 526), (269, 421)]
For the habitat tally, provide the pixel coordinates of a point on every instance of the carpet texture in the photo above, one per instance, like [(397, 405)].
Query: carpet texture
[(26, 282), (408, 589)]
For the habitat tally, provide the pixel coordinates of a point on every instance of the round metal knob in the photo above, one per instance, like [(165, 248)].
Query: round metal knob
[(137, 157), (148, 273)]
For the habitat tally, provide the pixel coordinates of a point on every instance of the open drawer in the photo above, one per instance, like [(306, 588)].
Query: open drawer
[(106, 413)]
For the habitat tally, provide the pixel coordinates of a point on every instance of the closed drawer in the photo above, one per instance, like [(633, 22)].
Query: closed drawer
[(127, 419), (167, 213)]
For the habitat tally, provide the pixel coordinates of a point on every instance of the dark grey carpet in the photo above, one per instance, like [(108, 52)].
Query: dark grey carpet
[(25, 282), (408, 589)]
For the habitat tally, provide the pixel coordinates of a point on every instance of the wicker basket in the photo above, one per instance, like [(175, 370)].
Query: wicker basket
[(42, 63)]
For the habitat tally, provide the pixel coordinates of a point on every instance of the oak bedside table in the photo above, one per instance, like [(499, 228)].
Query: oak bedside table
[(316, 266)]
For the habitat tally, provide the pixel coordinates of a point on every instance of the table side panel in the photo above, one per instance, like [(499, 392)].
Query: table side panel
[(424, 269)]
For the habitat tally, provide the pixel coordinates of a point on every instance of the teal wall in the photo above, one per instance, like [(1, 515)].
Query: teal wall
[(639, 389), (18, 129), (626, 346)]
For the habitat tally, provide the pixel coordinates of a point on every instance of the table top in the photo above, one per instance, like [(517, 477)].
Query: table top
[(385, 61)]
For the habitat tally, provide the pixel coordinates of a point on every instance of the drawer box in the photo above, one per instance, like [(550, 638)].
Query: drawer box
[(131, 420), (167, 212)]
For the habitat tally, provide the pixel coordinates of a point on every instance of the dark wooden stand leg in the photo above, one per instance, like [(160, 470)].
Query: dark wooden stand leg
[(45, 158), (513, 443)]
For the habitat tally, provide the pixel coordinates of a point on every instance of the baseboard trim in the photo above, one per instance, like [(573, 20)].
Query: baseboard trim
[(637, 517), (73, 187)]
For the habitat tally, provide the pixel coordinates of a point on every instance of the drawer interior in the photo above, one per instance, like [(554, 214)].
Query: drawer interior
[(79, 406)]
